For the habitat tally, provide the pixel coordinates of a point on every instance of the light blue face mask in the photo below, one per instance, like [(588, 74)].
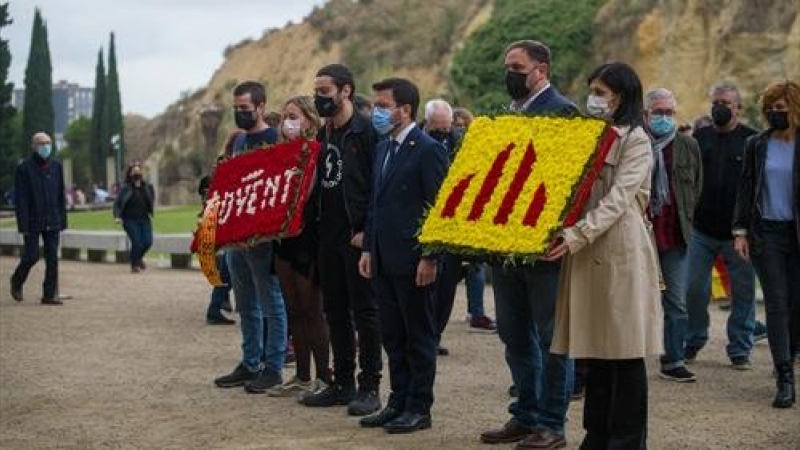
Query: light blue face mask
[(661, 125), (44, 151), (381, 120)]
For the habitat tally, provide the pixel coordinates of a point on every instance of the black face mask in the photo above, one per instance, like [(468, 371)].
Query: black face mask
[(245, 119), (721, 115), (516, 85), (439, 135), (326, 106), (778, 120)]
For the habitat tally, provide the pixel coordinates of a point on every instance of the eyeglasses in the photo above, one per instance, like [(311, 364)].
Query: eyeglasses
[(662, 112)]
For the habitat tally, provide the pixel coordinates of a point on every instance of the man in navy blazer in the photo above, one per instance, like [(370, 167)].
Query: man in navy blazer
[(409, 169), (525, 295)]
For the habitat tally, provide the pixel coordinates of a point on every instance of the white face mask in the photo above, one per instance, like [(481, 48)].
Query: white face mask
[(597, 106), (291, 128)]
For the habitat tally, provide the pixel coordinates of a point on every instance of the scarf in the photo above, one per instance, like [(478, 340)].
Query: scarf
[(660, 186)]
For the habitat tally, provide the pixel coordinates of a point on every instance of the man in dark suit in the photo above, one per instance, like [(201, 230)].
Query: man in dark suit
[(409, 169), (40, 206), (525, 295)]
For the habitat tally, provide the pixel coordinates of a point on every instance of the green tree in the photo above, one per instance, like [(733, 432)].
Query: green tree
[(477, 74), (78, 137), (9, 153), (116, 126), (99, 132), (37, 111)]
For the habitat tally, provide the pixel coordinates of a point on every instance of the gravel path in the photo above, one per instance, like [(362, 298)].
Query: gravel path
[(129, 363)]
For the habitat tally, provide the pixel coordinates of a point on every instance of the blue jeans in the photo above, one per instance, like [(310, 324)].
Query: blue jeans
[(261, 309), (475, 280), (673, 300), (525, 299), (30, 255), (140, 232), (703, 250), (220, 294)]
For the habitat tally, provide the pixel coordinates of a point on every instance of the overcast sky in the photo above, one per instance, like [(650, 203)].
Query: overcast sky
[(164, 47)]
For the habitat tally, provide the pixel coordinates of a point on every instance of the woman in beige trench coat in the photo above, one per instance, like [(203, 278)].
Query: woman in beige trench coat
[(609, 303)]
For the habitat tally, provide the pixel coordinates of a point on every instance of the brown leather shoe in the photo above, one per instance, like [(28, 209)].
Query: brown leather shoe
[(542, 440), (510, 432)]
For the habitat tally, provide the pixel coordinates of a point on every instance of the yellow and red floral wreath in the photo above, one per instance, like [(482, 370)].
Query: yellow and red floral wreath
[(515, 181)]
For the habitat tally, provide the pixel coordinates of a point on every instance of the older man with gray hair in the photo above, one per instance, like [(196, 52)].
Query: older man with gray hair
[(439, 125), (41, 209), (722, 151), (677, 182)]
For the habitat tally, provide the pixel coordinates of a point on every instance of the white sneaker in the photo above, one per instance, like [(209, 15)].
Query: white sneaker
[(290, 388)]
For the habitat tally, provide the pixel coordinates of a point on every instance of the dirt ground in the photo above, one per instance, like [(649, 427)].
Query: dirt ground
[(129, 363)]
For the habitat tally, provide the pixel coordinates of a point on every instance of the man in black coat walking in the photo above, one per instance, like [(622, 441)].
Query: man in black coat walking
[(40, 206)]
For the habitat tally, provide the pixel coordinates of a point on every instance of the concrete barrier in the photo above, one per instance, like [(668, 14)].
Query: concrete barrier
[(98, 244)]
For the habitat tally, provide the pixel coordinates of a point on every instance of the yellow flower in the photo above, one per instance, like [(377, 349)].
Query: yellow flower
[(561, 151)]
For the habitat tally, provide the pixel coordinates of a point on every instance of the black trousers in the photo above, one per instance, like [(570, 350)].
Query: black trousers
[(350, 306), (615, 408), (30, 255), (777, 263), (445, 286), (409, 338)]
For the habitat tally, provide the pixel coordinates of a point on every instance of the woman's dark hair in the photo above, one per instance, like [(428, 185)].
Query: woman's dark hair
[(623, 81), (129, 172)]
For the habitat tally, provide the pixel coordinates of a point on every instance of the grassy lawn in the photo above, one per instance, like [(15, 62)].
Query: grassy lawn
[(181, 219)]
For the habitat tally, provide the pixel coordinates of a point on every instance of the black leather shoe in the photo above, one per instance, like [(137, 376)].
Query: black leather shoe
[(16, 291), (219, 321), (408, 422), (380, 419), (51, 301)]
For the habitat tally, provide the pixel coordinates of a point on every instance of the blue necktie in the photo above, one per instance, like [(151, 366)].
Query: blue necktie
[(390, 156)]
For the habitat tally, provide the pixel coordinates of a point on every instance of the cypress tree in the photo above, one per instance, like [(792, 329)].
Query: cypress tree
[(113, 104), (37, 111), (9, 153), (99, 132)]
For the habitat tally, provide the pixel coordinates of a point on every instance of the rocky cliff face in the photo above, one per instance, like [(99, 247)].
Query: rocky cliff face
[(684, 45), (688, 46)]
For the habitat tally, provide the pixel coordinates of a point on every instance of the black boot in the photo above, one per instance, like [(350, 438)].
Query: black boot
[(785, 396)]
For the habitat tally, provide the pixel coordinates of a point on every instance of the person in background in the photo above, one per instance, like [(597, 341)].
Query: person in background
[(475, 271), (262, 313), (609, 303), (363, 105), (462, 118), (676, 185), (439, 125), (274, 119), (41, 211), (408, 171), (133, 208), (721, 148), (220, 295), (296, 266), (766, 225)]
